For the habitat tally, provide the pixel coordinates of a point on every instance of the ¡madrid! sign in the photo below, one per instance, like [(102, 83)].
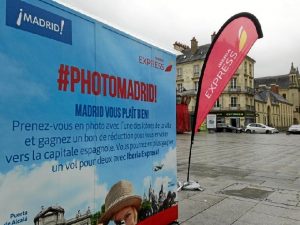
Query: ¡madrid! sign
[(30, 18)]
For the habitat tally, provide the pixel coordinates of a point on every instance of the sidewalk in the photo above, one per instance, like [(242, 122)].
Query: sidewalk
[(248, 179)]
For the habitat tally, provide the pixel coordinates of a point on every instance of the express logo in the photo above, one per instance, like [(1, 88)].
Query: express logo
[(242, 38), (156, 62), (169, 67)]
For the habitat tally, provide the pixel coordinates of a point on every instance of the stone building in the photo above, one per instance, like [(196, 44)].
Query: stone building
[(235, 106), (54, 215), (288, 86), (272, 109)]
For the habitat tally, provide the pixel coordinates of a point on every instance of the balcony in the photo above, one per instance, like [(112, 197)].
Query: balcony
[(216, 108), (196, 76), (179, 77), (234, 106), (250, 108), (234, 89), (249, 90)]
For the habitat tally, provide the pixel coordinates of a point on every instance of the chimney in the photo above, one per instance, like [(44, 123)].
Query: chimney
[(213, 36), (179, 46), (194, 45), (275, 88), (262, 87)]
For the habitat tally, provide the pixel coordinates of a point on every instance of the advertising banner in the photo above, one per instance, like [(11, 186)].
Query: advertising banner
[(227, 51), (225, 54), (211, 121), (87, 121)]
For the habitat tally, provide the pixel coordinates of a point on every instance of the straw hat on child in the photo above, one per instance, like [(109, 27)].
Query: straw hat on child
[(119, 197)]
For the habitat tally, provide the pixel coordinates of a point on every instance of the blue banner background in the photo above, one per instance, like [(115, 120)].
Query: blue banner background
[(30, 95)]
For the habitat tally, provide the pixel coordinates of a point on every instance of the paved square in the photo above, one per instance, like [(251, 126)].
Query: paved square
[(248, 179)]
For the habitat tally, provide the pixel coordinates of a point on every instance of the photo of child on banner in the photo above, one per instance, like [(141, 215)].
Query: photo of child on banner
[(121, 205)]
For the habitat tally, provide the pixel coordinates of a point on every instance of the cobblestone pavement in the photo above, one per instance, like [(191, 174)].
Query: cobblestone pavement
[(248, 179)]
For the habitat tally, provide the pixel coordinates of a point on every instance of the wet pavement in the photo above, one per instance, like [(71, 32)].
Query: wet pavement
[(248, 179)]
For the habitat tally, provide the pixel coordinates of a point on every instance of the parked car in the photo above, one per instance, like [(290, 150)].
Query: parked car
[(260, 128), (223, 127), (294, 129)]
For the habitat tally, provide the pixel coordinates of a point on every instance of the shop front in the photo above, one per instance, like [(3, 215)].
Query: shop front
[(235, 118)]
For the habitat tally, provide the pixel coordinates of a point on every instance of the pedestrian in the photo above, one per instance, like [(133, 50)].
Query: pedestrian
[(121, 205)]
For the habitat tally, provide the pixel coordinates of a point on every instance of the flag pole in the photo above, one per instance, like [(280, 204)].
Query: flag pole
[(195, 119), (192, 185), (194, 128), (195, 185)]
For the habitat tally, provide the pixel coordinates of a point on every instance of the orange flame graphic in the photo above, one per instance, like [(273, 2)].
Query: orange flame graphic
[(242, 38)]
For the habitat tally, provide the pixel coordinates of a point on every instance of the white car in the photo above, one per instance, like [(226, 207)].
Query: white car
[(260, 128), (294, 129)]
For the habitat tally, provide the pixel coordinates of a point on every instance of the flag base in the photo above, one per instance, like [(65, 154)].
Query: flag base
[(189, 186)]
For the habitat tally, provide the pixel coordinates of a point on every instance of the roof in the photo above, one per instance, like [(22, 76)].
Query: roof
[(200, 54), (187, 55), (278, 98), (281, 80), (264, 94), (260, 96), (51, 209)]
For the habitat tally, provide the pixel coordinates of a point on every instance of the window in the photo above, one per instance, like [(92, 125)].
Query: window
[(250, 69), (233, 101), (233, 83), (196, 85), (217, 103), (196, 70), (284, 95), (179, 87), (245, 67), (179, 72), (246, 82)]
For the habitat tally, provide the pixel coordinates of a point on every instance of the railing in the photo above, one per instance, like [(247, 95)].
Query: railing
[(235, 106), (217, 108), (250, 107), (249, 90), (234, 89), (196, 75), (179, 77), (247, 74)]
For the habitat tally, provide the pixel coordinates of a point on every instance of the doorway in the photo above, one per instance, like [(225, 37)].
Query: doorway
[(235, 122)]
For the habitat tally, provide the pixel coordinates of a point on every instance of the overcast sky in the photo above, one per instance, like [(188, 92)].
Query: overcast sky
[(162, 22)]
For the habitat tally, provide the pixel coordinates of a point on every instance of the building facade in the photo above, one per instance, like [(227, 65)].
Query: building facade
[(288, 86), (54, 215), (235, 106), (272, 109)]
